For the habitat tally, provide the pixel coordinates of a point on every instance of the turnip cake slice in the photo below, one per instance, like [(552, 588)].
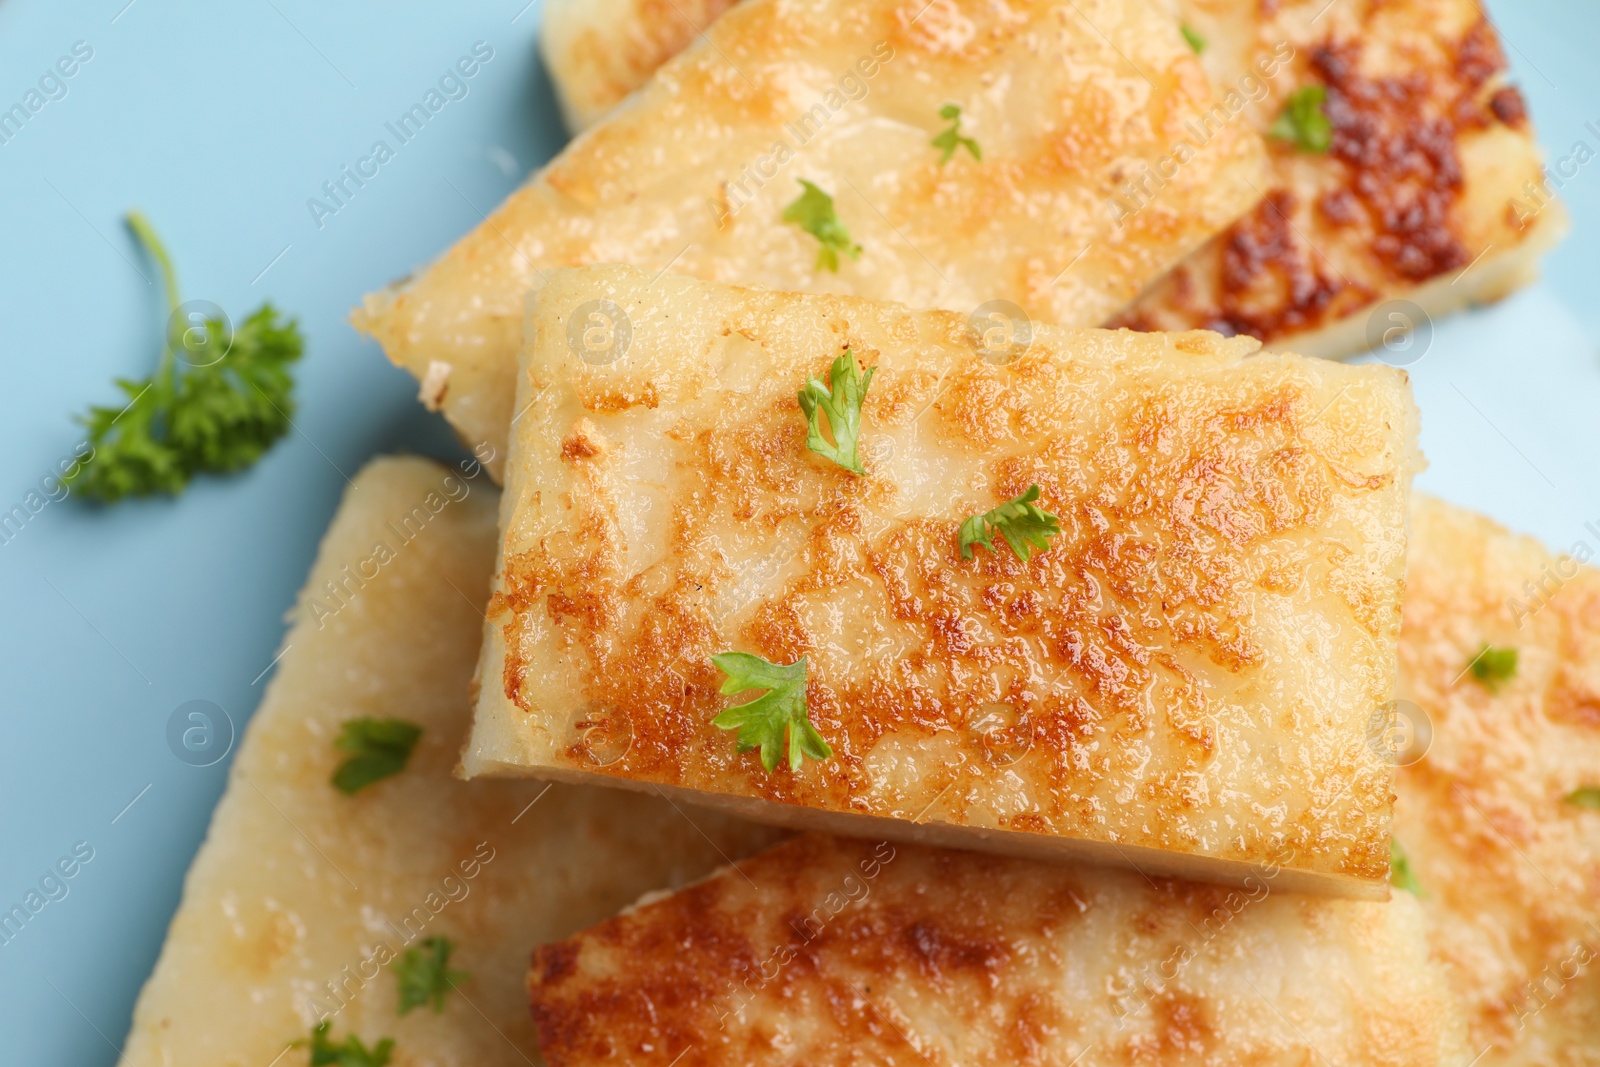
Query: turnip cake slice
[(945, 154), (1406, 181), (1428, 186), (1498, 815), (401, 911), (834, 952), (1119, 596)]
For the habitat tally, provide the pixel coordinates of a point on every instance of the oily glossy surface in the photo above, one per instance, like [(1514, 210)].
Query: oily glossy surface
[(1191, 667), (302, 895), (694, 175), (834, 952), (599, 51), (1428, 192), (1511, 869)]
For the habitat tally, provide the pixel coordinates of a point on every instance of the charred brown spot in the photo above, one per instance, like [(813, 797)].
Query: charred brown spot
[(1391, 188), (584, 442), (1509, 107), (555, 963)]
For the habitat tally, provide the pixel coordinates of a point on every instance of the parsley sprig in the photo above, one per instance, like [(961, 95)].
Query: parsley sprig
[(1303, 122), (951, 139), (813, 212), (775, 718), (1401, 876), (1020, 521), (1493, 666), (353, 1053), (1196, 42), (380, 749), (216, 402), (841, 401), (424, 975)]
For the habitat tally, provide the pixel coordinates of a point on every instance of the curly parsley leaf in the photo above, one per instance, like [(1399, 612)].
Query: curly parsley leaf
[(1586, 797), (1493, 666), (1020, 521), (814, 213), (353, 1053), (1401, 876), (1196, 42), (424, 975), (380, 750), (842, 404), (951, 140), (1303, 122), (217, 409), (779, 716)]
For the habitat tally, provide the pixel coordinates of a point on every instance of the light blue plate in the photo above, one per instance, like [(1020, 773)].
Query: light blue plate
[(220, 121)]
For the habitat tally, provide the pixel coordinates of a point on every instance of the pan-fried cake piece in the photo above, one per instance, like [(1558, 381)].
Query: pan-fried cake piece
[(1182, 679), (599, 51), (829, 951), (1509, 862), (300, 892), (1432, 189), (1433, 167), (699, 173)]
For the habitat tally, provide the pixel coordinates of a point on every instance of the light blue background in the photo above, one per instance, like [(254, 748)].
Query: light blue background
[(219, 121)]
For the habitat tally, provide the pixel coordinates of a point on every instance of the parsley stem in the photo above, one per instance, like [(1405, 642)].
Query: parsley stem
[(169, 277)]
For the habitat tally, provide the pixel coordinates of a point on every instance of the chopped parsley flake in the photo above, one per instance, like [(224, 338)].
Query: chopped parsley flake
[(353, 1053), (775, 718), (841, 401), (950, 140), (1401, 876), (814, 213), (425, 976), (1493, 666), (1020, 521), (1586, 797), (379, 749), (1303, 122)]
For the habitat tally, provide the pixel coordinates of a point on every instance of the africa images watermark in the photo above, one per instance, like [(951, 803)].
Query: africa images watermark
[(1553, 575), (344, 987), (1542, 193), (807, 928), (53, 488), (52, 886), (1139, 190), (453, 85), (339, 593), (850, 87), (51, 86)]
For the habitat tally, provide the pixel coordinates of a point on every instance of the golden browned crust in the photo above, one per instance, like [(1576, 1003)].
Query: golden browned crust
[(828, 951), (599, 51), (1432, 152), (1190, 668), (1511, 869), (301, 896), (1064, 96)]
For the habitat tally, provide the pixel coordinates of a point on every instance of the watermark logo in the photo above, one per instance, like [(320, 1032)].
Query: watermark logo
[(1399, 332), (1000, 332), (1400, 733), (1004, 735), (200, 333), (606, 737), (599, 333), (199, 733)]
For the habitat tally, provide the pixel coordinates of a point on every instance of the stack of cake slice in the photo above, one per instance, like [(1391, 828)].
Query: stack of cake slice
[(898, 668)]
